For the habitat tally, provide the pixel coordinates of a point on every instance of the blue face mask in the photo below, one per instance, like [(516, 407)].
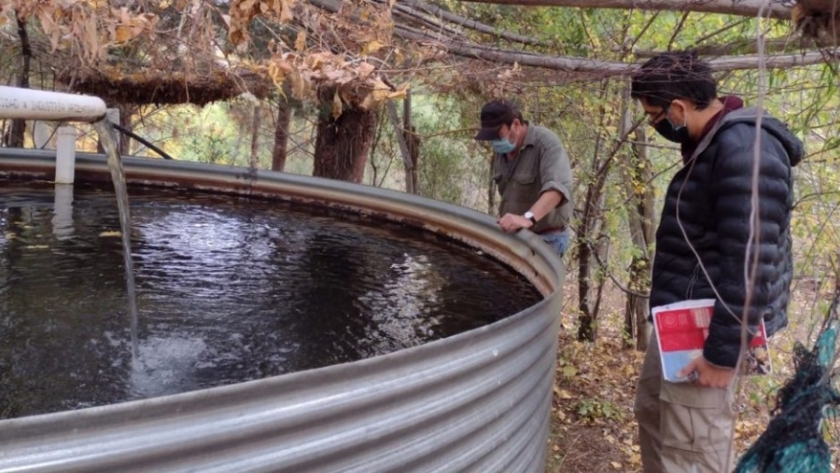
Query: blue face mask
[(503, 146)]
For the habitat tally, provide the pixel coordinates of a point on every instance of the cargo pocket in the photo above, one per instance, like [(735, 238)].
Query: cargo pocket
[(696, 419)]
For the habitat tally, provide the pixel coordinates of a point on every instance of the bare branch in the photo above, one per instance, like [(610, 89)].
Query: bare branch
[(745, 46), (523, 58), (728, 7), (750, 61), (604, 68), (413, 16), (469, 23)]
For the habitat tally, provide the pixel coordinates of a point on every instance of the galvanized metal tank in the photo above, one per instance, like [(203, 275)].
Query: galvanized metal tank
[(478, 401)]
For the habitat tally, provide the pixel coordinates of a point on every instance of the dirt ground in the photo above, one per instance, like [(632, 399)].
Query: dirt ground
[(592, 425)]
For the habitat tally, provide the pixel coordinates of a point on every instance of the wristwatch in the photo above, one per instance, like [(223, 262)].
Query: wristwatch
[(530, 216)]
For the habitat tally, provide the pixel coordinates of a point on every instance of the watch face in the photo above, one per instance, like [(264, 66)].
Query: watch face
[(530, 216)]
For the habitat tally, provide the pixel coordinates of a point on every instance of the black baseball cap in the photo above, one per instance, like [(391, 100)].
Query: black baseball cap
[(493, 115)]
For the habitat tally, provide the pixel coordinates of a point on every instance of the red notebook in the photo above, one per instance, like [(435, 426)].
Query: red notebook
[(682, 328)]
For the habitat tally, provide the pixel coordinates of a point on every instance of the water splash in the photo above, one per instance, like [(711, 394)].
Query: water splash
[(108, 138)]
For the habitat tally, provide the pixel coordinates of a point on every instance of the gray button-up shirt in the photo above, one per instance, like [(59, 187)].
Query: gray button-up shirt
[(542, 165)]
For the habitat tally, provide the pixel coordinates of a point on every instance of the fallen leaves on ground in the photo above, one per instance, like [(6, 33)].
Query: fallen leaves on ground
[(593, 426)]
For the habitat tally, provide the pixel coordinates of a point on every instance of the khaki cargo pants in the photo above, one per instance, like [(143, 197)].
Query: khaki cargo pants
[(683, 428)]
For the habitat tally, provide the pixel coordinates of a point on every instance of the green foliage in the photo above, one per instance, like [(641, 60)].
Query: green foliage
[(451, 168), (566, 368), (190, 133), (594, 409), (213, 149), (440, 171)]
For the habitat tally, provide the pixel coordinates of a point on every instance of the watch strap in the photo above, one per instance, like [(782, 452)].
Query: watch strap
[(530, 216)]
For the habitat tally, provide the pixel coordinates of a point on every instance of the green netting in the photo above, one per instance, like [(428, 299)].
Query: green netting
[(794, 441)]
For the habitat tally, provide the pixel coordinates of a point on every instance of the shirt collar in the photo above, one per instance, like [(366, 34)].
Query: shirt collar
[(530, 138)]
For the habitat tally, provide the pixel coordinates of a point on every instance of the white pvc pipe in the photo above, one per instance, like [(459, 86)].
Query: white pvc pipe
[(65, 155), (41, 134), (43, 105), (62, 221)]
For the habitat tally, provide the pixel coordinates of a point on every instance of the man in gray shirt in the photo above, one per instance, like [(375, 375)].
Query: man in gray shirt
[(533, 174)]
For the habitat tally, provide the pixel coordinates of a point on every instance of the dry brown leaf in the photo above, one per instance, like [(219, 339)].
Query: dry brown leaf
[(122, 34), (371, 47), (286, 10), (336, 106), (380, 91), (365, 69), (300, 42), (278, 69), (562, 393), (300, 86)]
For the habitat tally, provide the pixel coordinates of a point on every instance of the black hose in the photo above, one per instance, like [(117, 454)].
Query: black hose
[(149, 145)]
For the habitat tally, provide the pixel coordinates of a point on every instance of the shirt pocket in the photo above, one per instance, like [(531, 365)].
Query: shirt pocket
[(524, 179)]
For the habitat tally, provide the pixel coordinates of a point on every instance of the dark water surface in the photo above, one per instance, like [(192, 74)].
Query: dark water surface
[(228, 290)]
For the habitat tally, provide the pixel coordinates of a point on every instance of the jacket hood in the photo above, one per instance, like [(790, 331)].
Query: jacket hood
[(793, 145)]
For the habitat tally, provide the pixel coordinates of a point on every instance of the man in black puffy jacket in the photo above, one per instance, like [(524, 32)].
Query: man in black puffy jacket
[(719, 207)]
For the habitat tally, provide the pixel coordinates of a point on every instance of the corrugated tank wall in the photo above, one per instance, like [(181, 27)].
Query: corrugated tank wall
[(478, 401)]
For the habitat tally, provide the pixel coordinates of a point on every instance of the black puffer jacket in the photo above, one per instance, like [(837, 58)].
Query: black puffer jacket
[(714, 191)]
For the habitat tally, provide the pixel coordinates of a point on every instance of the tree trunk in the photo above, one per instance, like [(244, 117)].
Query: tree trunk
[(342, 144), (412, 141), (637, 175), (399, 132), (254, 161), (18, 129), (377, 138), (281, 136), (590, 229), (641, 274), (126, 112), (590, 242)]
